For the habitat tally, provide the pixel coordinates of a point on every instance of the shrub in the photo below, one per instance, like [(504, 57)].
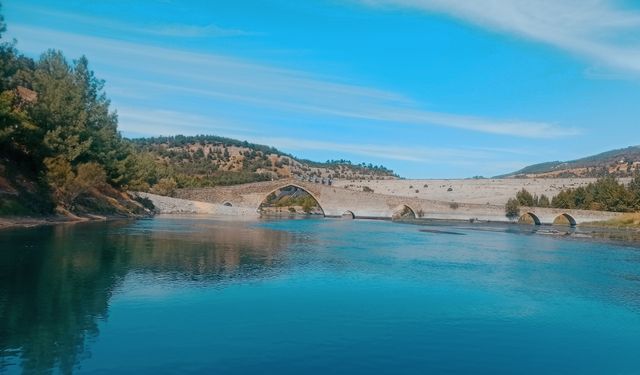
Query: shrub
[(512, 209), (166, 186), (367, 189), (69, 185), (454, 205)]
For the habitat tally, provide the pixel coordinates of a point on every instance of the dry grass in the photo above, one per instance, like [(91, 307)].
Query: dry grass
[(628, 220)]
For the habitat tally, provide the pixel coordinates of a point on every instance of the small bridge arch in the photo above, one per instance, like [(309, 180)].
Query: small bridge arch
[(529, 218), (348, 215), (403, 211), (565, 219)]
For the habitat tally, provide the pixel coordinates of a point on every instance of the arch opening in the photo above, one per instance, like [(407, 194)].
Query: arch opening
[(227, 204), (403, 212), (564, 219), (348, 215), (290, 200), (529, 218)]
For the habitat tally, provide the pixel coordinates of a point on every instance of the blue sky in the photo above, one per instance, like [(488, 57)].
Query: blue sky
[(429, 88)]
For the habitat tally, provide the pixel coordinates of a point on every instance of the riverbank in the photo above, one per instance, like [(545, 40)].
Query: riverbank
[(11, 222)]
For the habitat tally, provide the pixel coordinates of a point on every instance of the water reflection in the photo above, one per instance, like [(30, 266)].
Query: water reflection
[(56, 282), (314, 294)]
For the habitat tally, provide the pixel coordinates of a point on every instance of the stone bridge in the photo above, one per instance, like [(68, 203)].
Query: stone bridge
[(245, 199)]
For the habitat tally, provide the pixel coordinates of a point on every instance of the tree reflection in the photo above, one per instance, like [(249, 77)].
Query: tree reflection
[(56, 282)]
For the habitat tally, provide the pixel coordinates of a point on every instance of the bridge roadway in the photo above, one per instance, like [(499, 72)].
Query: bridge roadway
[(244, 200)]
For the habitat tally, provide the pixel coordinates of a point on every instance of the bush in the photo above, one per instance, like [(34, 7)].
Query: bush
[(454, 205), (68, 185), (166, 186), (367, 189), (512, 209)]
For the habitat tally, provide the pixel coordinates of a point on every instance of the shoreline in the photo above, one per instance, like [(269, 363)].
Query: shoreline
[(25, 222)]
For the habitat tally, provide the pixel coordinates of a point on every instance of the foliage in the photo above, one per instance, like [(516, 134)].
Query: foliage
[(166, 186), (543, 201), (525, 198), (605, 194), (512, 209)]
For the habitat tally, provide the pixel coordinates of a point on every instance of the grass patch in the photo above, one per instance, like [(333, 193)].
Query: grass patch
[(627, 220)]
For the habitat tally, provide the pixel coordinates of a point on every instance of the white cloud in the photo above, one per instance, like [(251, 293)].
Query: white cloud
[(600, 30), (155, 122), (223, 79), (170, 30)]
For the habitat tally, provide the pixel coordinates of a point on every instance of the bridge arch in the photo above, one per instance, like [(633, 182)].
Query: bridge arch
[(564, 219), (529, 218), (288, 187), (348, 215), (403, 211), (227, 204)]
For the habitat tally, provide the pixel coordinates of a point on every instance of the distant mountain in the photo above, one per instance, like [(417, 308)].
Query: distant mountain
[(622, 162), (206, 160)]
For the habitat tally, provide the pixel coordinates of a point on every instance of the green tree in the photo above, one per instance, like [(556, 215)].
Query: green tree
[(543, 201), (60, 110), (101, 125), (512, 209), (634, 190), (525, 198)]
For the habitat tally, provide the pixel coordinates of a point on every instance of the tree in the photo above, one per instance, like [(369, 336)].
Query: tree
[(68, 185), (543, 201), (101, 125), (512, 209), (634, 190), (60, 110), (525, 198)]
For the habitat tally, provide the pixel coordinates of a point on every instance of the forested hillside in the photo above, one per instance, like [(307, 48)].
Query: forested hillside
[(624, 162), (61, 152), (60, 149), (202, 161)]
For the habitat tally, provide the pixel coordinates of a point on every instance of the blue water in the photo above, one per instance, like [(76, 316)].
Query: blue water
[(180, 295)]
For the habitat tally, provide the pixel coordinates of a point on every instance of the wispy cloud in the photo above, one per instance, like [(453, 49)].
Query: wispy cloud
[(601, 30), (154, 122), (232, 80), (163, 29)]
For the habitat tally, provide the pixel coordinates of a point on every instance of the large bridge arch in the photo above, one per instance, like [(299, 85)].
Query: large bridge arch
[(529, 218), (284, 187)]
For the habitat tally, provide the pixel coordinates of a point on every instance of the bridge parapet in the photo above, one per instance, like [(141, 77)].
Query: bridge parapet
[(336, 201)]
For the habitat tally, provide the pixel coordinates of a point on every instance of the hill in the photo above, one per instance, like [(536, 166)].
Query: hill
[(205, 160), (624, 162)]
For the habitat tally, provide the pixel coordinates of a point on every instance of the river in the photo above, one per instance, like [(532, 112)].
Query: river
[(202, 295)]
